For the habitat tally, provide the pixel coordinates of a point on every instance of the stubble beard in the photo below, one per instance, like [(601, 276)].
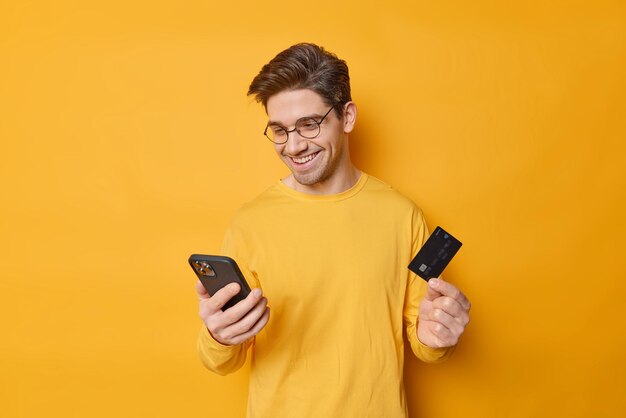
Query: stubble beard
[(321, 174)]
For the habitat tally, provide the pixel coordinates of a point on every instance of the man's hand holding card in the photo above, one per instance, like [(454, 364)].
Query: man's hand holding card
[(443, 315), (444, 312)]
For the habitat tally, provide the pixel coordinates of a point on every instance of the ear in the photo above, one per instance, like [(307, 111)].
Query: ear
[(349, 117)]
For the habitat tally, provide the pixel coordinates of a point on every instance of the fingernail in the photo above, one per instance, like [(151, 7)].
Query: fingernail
[(433, 282), (256, 292)]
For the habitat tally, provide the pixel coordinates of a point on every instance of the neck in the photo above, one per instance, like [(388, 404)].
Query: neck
[(339, 182)]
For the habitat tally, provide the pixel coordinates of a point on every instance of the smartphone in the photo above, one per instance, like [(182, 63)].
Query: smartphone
[(215, 272)]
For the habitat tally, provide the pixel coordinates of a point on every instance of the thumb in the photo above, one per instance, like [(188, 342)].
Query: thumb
[(202, 292), (431, 293)]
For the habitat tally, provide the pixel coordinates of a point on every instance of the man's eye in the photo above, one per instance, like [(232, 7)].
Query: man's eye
[(308, 124), (278, 131)]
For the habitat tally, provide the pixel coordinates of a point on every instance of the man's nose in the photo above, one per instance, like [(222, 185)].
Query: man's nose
[(296, 143)]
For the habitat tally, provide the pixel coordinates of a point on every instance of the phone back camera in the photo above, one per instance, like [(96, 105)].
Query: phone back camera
[(203, 268)]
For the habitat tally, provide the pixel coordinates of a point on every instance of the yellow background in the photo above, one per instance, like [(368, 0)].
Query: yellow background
[(127, 141)]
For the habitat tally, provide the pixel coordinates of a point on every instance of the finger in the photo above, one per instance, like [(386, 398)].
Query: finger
[(437, 332), (443, 334), (222, 296), (255, 329), (238, 311), (247, 322), (450, 290), (431, 292), (450, 306), (202, 292), (442, 317)]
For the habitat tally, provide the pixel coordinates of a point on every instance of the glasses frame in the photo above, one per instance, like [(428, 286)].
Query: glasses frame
[(295, 129)]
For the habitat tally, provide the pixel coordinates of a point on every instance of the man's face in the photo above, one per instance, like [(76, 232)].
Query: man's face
[(311, 161)]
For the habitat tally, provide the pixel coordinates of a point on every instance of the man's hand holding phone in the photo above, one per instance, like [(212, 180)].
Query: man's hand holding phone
[(238, 323)]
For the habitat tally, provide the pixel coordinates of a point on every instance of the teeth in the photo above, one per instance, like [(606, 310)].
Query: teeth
[(304, 159)]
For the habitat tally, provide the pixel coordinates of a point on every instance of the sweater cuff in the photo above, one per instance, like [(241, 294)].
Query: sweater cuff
[(430, 354)]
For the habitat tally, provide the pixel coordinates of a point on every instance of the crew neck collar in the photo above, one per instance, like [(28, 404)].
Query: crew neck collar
[(346, 194)]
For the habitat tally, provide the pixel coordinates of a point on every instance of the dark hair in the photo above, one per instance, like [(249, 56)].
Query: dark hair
[(304, 66)]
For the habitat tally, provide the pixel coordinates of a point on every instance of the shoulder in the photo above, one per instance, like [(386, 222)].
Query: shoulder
[(394, 208), (259, 208), (384, 194)]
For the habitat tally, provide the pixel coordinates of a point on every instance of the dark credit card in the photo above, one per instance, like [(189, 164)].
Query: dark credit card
[(435, 255)]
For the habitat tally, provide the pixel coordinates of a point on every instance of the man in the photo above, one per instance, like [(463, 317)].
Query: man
[(329, 246)]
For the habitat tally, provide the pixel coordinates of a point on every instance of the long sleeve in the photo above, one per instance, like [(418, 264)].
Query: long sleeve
[(416, 289), (219, 358)]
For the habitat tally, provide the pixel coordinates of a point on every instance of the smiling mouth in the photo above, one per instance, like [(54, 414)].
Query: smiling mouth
[(305, 159)]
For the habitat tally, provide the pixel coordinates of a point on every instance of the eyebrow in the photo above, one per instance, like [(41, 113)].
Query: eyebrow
[(312, 116)]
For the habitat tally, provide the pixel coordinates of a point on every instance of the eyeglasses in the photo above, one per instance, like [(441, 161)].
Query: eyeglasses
[(307, 128)]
